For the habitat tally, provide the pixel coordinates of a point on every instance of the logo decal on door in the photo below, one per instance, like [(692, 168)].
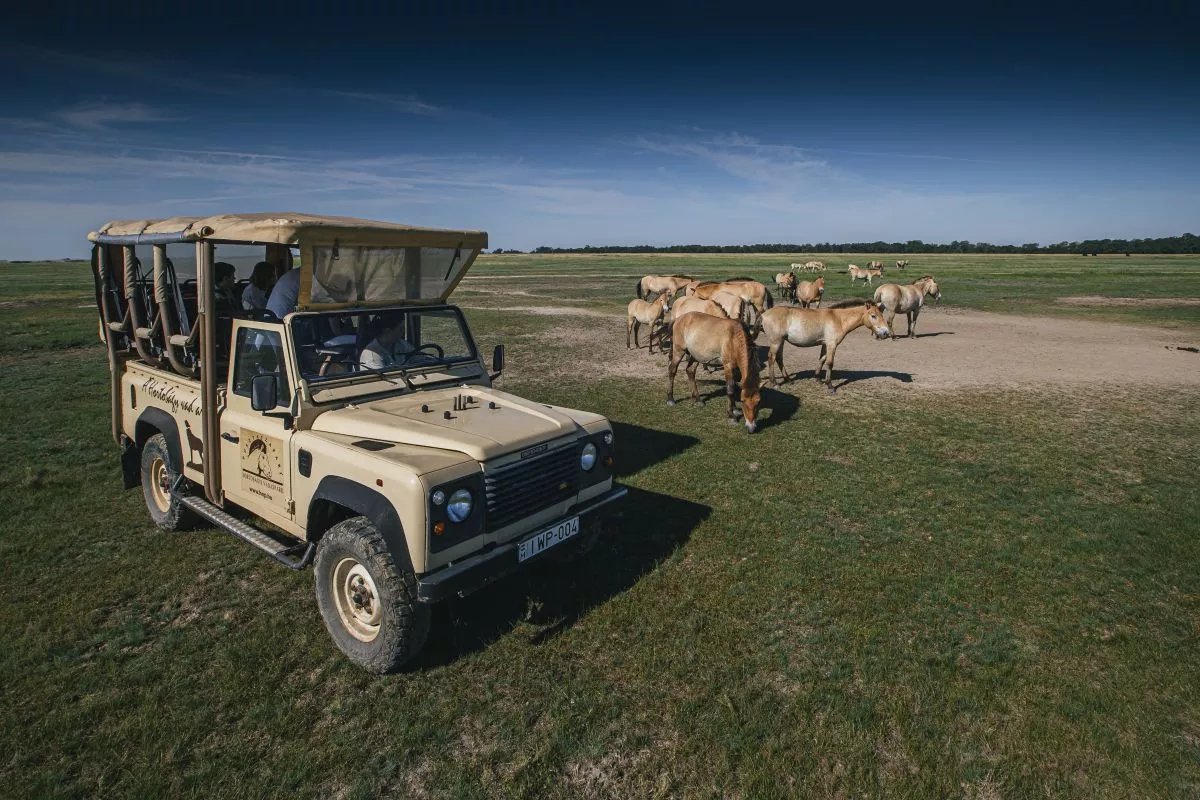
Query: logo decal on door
[(262, 466)]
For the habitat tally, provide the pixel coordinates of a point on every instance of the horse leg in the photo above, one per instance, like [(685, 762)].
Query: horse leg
[(912, 322), (628, 329), (829, 369), (691, 375), (820, 362), (772, 351), (650, 342), (783, 376), (731, 414), (672, 368), (891, 315)]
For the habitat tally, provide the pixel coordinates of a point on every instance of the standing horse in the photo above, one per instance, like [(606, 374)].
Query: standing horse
[(748, 289), (860, 274), (641, 312), (894, 298), (809, 293), (656, 284), (902, 264), (786, 281), (808, 327), (701, 339)]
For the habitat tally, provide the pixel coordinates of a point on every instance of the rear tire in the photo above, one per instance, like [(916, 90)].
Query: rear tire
[(368, 597), (158, 478)]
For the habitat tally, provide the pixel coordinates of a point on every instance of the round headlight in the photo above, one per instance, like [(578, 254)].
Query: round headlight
[(608, 437), (459, 507), (587, 459), (438, 497)]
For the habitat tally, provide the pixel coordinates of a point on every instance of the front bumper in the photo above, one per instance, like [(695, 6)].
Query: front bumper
[(471, 573)]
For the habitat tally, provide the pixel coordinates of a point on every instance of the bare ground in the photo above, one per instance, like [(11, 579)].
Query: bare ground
[(954, 350), (1098, 301)]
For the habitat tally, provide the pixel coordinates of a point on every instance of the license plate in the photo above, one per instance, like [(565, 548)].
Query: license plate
[(547, 539)]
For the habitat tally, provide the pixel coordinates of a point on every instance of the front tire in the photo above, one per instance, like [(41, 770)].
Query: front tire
[(158, 478), (367, 600)]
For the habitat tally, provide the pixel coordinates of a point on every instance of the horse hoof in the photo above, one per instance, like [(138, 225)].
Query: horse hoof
[(670, 402)]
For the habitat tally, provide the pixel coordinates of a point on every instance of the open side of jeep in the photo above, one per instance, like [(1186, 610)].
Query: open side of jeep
[(359, 433)]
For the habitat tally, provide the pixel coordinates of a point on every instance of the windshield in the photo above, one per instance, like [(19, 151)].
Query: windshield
[(342, 343)]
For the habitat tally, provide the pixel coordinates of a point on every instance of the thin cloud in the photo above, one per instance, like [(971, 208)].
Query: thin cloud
[(233, 83), (101, 115)]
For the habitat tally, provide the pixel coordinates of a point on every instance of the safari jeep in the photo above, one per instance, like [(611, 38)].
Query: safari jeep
[(359, 433)]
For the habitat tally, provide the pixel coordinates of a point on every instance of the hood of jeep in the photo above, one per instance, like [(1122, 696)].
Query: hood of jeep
[(460, 418)]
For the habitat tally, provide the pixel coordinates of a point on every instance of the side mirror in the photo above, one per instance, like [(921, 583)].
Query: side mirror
[(264, 392), (498, 360)]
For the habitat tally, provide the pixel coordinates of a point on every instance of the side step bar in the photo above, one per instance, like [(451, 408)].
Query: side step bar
[(282, 553)]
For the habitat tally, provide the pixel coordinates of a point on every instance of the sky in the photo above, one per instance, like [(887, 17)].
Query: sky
[(605, 123)]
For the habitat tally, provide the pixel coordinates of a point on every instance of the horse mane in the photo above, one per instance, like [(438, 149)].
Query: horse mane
[(685, 277), (851, 303), (739, 278)]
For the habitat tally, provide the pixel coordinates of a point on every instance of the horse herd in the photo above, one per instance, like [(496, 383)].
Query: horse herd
[(717, 323)]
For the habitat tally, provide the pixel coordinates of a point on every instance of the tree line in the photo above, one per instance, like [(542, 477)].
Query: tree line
[(1187, 243)]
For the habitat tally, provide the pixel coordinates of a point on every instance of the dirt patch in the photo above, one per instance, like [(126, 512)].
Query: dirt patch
[(549, 311), (1098, 301), (954, 350)]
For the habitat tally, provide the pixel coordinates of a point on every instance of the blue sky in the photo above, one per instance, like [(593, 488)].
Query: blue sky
[(606, 125)]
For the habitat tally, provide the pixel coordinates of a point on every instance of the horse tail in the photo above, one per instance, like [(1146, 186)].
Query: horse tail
[(637, 290), (768, 301)]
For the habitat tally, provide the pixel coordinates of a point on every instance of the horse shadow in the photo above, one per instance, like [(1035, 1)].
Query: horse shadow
[(550, 596), (935, 333), (853, 376)]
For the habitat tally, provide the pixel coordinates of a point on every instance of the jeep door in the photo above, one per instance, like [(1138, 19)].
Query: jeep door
[(256, 444)]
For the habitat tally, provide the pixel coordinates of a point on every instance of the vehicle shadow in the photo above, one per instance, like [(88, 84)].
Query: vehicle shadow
[(638, 447), (548, 597)]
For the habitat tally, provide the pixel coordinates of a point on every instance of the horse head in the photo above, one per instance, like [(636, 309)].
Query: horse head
[(875, 321)]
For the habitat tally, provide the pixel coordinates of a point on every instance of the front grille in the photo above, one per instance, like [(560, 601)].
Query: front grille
[(524, 488)]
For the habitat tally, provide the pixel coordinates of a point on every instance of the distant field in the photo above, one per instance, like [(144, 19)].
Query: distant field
[(971, 590)]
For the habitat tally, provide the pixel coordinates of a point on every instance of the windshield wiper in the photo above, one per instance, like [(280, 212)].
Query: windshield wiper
[(379, 371)]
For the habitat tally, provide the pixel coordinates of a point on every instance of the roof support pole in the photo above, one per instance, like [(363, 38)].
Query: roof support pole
[(208, 371), (100, 273)]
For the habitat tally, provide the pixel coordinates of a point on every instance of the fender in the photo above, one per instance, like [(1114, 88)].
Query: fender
[(164, 423), (368, 502)]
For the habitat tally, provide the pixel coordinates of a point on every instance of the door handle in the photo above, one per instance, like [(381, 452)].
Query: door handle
[(229, 437)]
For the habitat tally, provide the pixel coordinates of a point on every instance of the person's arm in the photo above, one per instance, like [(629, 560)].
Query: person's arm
[(371, 359)]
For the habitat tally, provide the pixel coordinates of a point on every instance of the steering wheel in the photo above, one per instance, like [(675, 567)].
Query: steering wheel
[(440, 352)]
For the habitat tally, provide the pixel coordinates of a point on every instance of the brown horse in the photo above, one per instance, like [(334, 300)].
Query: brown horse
[(894, 298), (651, 285), (748, 289), (701, 339), (808, 327), (809, 293), (642, 312)]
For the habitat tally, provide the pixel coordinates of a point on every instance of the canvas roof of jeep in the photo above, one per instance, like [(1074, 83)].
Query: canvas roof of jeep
[(344, 261)]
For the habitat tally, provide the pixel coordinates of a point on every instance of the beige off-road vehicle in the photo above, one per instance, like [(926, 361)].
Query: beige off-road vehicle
[(355, 426)]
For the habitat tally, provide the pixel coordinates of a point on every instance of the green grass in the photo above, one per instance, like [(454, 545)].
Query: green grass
[(982, 594)]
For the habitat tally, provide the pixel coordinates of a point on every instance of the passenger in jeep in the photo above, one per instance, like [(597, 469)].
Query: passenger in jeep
[(388, 349)]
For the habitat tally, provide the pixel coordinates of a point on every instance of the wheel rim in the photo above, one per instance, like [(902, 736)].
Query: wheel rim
[(160, 488), (357, 600)]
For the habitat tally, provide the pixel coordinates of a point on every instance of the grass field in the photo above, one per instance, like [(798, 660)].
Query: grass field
[(970, 593)]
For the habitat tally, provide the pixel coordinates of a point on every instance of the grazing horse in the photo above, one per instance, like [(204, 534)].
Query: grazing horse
[(809, 293), (875, 265), (902, 264), (656, 284), (895, 299), (786, 281), (860, 274), (808, 327), (642, 312), (701, 339)]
